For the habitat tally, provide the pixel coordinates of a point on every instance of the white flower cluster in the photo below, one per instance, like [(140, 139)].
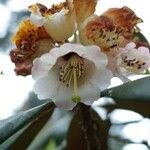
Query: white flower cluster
[(75, 71)]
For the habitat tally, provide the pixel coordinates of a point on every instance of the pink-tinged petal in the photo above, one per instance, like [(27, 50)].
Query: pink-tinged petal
[(144, 50), (48, 59), (94, 54), (131, 45), (68, 48), (39, 69), (133, 60), (100, 78), (63, 97), (46, 87), (89, 93)]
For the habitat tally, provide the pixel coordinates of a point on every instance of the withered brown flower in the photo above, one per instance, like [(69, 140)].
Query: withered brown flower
[(125, 18), (100, 30), (31, 42), (58, 21)]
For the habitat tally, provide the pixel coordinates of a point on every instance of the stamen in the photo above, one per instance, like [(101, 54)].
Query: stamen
[(66, 75), (75, 86), (108, 38), (71, 73), (133, 64), (70, 79)]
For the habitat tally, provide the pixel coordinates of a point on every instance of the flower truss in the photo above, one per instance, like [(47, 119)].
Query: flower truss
[(71, 71)]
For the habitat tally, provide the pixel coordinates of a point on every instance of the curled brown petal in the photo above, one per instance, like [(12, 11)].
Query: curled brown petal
[(125, 18), (58, 7), (41, 8), (84, 9), (31, 42), (28, 34), (100, 30), (23, 59), (58, 21)]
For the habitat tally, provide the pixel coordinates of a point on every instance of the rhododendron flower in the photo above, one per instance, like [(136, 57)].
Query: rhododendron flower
[(31, 42), (99, 30), (125, 18), (59, 21), (133, 60), (70, 74)]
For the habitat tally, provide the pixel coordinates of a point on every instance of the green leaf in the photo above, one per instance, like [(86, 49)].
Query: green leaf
[(138, 90), (55, 129), (87, 130), (134, 95), (24, 137), (138, 36), (10, 126)]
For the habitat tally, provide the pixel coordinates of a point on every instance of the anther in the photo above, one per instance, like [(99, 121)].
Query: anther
[(137, 62), (144, 64), (60, 67)]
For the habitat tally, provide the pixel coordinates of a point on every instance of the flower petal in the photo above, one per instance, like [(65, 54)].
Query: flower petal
[(89, 92), (123, 17), (39, 69), (94, 54), (144, 50), (102, 78), (131, 45), (84, 9), (60, 25), (37, 20), (37, 10), (46, 87), (101, 31), (68, 48), (59, 21), (63, 97), (48, 59), (133, 60)]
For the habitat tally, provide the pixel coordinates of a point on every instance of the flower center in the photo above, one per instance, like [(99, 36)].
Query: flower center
[(107, 39), (70, 73), (133, 64)]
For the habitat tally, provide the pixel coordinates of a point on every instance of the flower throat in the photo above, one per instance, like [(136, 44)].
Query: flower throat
[(71, 72)]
